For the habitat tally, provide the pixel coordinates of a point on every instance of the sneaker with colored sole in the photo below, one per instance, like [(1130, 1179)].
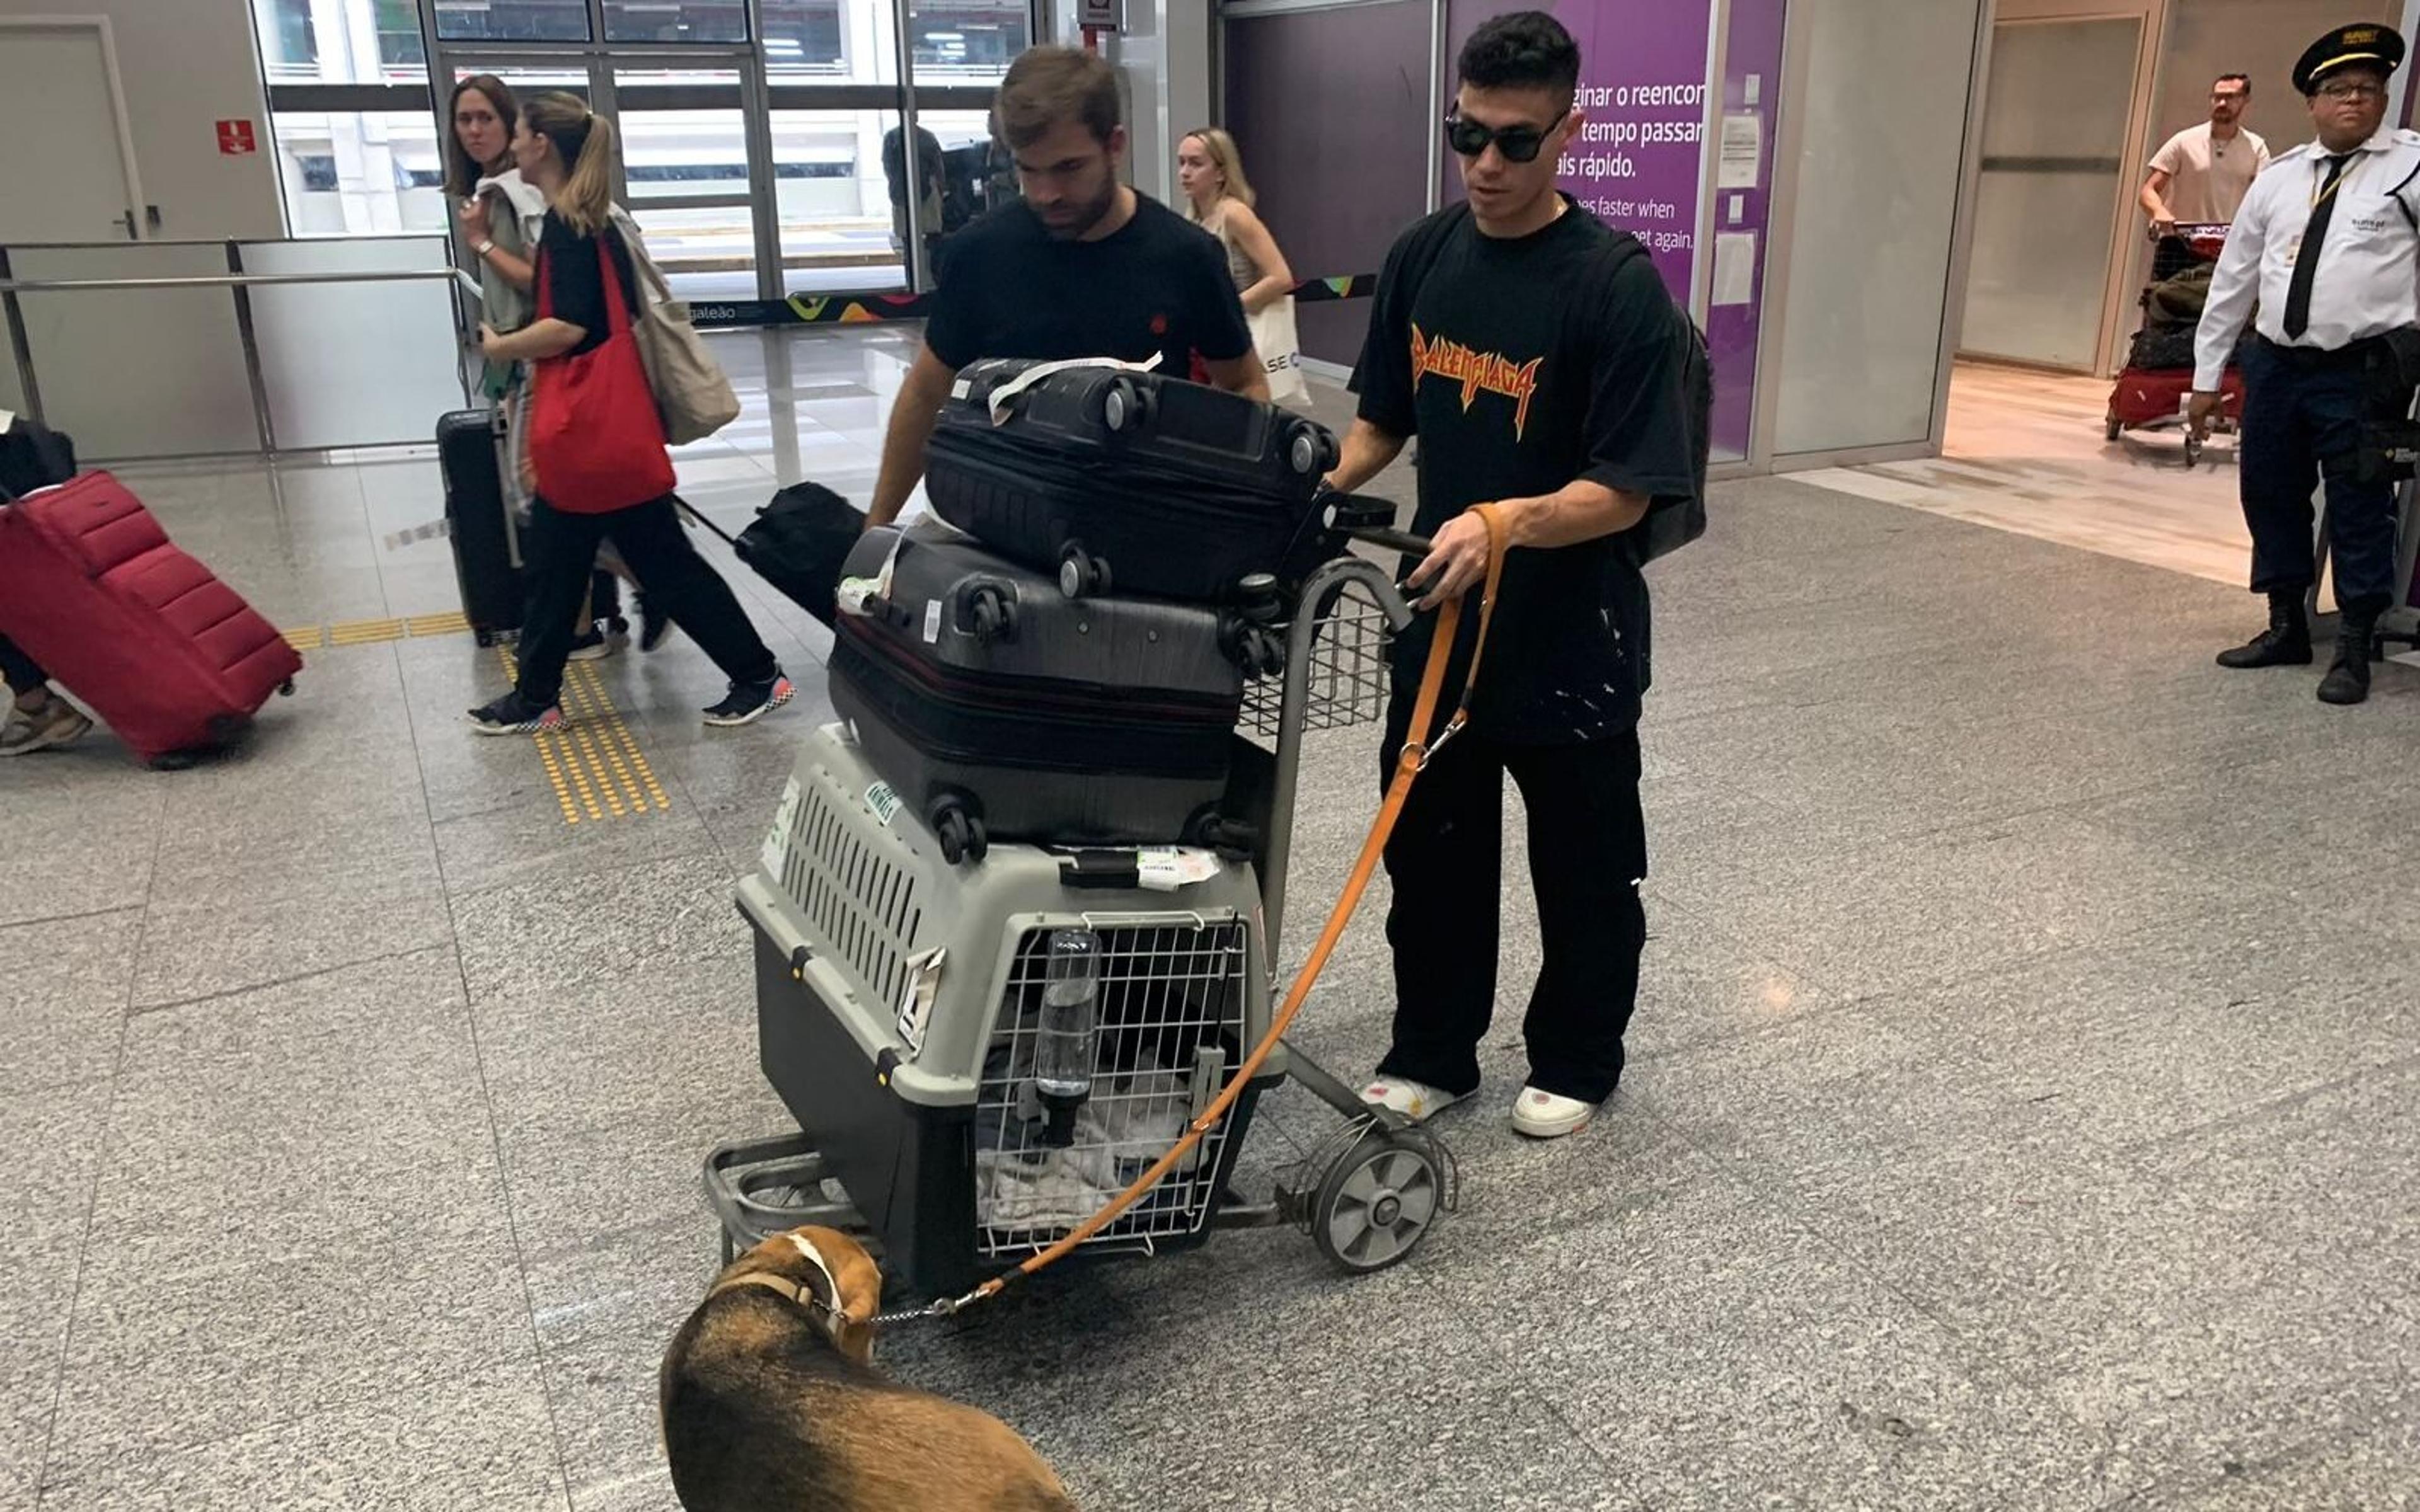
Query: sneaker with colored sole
[(1548, 1115), (55, 723), (748, 703), (1416, 1100), (514, 715)]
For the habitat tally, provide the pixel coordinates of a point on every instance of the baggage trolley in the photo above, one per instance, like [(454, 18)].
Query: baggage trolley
[(899, 998), (2146, 397)]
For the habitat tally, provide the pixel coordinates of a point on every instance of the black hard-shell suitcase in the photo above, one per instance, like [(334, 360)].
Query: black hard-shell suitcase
[(999, 709), (1132, 483), (487, 556)]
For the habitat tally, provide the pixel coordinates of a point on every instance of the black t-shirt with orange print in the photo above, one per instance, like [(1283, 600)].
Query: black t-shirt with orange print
[(1520, 365)]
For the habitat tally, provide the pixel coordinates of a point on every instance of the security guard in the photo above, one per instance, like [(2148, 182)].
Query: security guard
[(2328, 243)]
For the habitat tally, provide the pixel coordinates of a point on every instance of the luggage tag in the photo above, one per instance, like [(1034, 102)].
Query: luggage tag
[(852, 593), (1004, 397)]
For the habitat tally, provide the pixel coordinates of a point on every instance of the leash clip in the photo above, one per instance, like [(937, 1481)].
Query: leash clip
[(1427, 752)]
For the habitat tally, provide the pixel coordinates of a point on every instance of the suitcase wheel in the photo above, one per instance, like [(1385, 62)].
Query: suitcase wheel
[(1082, 575), (991, 614), (960, 832), (2116, 425), (1233, 839), (1309, 450), (1125, 407), (286, 688)]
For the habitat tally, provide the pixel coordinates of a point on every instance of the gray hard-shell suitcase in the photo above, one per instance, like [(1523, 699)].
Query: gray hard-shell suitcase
[(1001, 709)]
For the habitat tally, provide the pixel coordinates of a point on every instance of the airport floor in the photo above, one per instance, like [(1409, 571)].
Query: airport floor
[(2022, 1110)]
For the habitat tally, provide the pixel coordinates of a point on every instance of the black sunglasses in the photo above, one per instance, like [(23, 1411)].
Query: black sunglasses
[(1519, 143)]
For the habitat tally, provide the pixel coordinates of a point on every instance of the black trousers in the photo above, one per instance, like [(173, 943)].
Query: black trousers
[(1588, 854), (18, 670), (560, 549), (2302, 420)]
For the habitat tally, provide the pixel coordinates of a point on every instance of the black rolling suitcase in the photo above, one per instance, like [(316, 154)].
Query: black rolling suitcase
[(486, 541), (798, 543), (1131, 483), (1000, 710)]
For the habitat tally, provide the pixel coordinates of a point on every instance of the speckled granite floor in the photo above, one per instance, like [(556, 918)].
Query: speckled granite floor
[(2022, 1112)]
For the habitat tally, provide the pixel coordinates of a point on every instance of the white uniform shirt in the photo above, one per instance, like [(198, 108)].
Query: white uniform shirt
[(2368, 278)]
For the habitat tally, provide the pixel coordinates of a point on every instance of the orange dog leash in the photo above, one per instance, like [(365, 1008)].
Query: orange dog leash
[(1408, 765)]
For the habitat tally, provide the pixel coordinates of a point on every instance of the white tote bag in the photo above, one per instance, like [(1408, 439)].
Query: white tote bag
[(1281, 349), (692, 394)]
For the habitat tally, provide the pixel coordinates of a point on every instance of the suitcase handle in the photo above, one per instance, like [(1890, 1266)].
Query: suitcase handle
[(1352, 512)]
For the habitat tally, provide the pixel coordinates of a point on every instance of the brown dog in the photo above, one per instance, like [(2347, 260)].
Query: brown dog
[(771, 1402)]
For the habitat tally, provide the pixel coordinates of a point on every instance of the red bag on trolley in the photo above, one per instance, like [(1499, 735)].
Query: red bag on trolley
[(596, 442)]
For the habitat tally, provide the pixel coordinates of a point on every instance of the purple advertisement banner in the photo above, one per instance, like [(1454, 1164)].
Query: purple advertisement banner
[(1643, 91), (1635, 163), (1752, 81)]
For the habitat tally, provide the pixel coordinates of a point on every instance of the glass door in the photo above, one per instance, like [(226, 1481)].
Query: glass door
[(2055, 174), (688, 174)]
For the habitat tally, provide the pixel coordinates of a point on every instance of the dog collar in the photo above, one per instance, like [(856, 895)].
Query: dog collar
[(823, 1305)]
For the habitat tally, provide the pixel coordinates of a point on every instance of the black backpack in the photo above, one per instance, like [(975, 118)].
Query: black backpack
[(1673, 521)]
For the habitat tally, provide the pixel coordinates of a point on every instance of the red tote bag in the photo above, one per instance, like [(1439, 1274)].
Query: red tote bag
[(596, 442)]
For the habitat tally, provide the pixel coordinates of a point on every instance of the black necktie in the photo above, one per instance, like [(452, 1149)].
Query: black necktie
[(2306, 262)]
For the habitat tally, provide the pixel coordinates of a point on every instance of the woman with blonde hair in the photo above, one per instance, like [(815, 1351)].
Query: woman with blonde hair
[(1219, 199), (595, 443)]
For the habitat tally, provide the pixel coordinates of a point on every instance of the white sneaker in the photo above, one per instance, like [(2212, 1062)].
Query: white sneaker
[(1415, 1100), (1545, 1115)]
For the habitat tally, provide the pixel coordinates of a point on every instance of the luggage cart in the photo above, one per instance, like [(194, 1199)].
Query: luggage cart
[(898, 998), (2151, 398)]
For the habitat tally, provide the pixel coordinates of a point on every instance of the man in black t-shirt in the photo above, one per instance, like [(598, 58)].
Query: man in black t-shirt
[(1538, 358), (1082, 265)]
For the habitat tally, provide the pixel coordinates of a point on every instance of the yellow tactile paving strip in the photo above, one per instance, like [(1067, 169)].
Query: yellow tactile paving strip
[(594, 763)]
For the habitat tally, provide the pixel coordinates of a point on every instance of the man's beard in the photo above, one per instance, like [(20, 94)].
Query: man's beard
[(1091, 215)]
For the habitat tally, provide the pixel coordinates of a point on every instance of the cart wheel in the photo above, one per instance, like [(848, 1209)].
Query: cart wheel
[(286, 688), (2193, 450), (1376, 1202), (2116, 427)]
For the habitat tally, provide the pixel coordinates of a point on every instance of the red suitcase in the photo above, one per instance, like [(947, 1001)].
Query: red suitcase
[(172, 658)]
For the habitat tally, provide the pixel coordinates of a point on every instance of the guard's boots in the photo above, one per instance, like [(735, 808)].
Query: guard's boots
[(2287, 642), (2348, 678)]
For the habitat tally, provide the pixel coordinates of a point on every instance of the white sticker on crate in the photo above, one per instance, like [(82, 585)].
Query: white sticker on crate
[(932, 620), (777, 840), (1166, 868), (883, 799)]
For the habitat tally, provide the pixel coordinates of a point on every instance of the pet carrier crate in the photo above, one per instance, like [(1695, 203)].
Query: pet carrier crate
[(914, 1016)]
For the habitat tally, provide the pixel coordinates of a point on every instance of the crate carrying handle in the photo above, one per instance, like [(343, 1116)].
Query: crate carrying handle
[(1410, 762)]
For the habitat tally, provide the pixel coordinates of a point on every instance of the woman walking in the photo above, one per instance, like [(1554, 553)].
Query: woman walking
[(1220, 197), (595, 442), (501, 214)]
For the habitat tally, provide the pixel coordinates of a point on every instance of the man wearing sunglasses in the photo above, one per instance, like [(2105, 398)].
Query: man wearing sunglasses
[(2327, 244), (1539, 360)]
